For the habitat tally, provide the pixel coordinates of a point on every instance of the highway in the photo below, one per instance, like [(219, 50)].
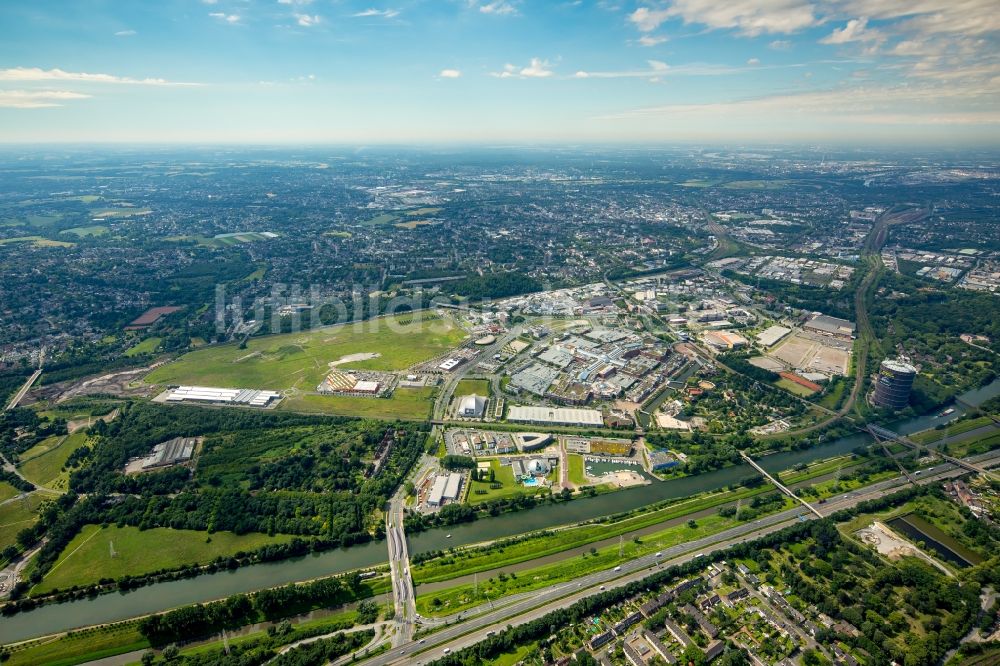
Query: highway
[(535, 604), (22, 391)]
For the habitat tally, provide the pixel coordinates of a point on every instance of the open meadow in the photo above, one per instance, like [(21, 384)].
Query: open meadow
[(301, 360), (88, 557)]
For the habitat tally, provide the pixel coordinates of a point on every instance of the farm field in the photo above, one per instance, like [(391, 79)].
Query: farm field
[(92, 230), (87, 558), (37, 241), (405, 404), (43, 463), (301, 360)]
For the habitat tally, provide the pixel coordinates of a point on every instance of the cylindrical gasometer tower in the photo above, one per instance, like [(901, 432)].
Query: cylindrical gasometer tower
[(892, 388)]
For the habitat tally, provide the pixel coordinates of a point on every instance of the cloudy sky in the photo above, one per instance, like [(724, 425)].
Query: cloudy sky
[(426, 71)]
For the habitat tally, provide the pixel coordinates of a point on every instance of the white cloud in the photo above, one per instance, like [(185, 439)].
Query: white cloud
[(383, 13), (647, 20), (780, 45), (450, 74), (124, 33), (537, 69), (651, 40), (499, 8), (904, 104), (307, 21), (227, 18), (750, 17), (856, 30), (39, 74), (753, 61), (295, 2), (36, 99)]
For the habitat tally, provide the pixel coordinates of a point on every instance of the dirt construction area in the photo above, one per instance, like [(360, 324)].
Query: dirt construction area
[(808, 354)]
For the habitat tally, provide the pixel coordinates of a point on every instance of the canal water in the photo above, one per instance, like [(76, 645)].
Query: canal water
[(161, 596)]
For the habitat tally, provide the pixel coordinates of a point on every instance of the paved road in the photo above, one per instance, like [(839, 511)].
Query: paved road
[(530, 606), (23, 390)]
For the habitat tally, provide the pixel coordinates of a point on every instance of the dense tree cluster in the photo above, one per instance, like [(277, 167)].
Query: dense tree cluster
[(495, 285)]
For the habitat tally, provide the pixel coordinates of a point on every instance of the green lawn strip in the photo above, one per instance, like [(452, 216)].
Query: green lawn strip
[(963, 425), (408, 404), (820, 468), (461, 597), (80, 646), (301, 360), (509, 486), (15, 516), (975, 446), (46, 468), (576, 474), (484, 558), (87, 558)]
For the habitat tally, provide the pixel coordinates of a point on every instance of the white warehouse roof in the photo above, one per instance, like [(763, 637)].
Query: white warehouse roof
[(566, 415)]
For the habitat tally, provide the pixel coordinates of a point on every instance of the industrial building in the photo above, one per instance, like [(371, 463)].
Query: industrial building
[(445, 488), (556, 415), (772, 335), (826, 325), (724, 339), (893, 385), (222, 396), (532, 441), (171, 452), (450, 364)]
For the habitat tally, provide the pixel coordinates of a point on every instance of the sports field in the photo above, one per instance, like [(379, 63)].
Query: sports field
[(88, 557), (301, 360)]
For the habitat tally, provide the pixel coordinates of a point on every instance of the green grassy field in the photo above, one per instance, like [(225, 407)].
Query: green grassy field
[(470, 386), (504, 475), (80, 646), (405, 404), (93, 230), (147, 346), (7, 491), (15, 516), (963, 425), (43, 466), (87, 558), (301, 360), (461, 597)]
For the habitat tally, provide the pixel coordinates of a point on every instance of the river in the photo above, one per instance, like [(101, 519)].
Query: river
[(161, 596)]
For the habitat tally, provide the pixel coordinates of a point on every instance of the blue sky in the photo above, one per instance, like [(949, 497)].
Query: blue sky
[(490, 71)]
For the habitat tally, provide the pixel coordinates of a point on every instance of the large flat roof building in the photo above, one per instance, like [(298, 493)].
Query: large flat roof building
[(437, 491), (772, 335), (222, 396), (556, 415), (826, 325)]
